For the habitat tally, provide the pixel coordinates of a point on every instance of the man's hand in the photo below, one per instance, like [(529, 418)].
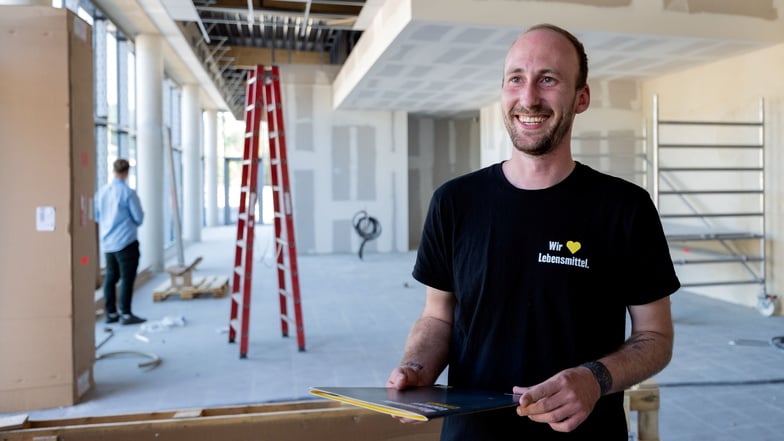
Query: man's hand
[(563, 401), (401, 378)]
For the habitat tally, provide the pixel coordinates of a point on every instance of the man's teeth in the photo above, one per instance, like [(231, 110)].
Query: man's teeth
[(531, 119)]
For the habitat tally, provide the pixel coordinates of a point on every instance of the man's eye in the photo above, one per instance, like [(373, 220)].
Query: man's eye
[(548, 80)]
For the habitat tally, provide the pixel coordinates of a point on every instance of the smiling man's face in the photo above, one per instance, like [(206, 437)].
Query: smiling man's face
[(539, 96)]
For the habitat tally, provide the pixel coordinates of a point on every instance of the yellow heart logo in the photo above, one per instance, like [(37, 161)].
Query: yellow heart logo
[(573, 246)]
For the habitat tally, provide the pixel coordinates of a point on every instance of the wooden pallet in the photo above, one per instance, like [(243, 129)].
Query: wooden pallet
[(215, 285), (643, 398)]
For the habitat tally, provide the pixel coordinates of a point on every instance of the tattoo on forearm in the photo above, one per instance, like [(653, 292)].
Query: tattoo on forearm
[(413, 365), (635, 341)]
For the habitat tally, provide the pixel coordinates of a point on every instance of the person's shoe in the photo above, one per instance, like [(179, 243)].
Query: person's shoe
[(130, 319), (112, 318)]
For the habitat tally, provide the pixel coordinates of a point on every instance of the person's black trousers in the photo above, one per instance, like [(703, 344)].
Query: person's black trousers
[(120, 266)]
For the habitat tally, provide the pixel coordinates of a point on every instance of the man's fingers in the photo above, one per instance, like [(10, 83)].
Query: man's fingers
[(537, 400), (561, 402), (397, 379), (554, 416), (529, 404), (527, 399)]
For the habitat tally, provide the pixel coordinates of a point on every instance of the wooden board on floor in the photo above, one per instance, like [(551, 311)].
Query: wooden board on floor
[(292, 421), (305, 420), (216, 286)]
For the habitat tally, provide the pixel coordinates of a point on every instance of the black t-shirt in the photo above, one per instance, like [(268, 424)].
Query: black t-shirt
[(542, 280)]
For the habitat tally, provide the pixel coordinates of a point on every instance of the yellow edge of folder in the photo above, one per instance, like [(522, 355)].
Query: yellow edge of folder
[(372, 406)]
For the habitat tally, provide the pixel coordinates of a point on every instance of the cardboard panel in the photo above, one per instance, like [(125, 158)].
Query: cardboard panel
[(43, 397), (35, 152), (47, 266), (40, 350), (84, 247)]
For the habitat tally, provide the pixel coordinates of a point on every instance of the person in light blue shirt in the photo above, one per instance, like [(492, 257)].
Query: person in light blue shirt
[(119, 214)]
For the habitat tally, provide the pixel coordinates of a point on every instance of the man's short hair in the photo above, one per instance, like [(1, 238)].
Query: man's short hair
[(582, 58), (121, 166)]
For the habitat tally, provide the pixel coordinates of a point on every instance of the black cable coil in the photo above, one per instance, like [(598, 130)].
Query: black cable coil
[(367, 227)]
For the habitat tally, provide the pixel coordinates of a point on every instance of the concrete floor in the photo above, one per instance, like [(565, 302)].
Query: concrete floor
[(725, 382)]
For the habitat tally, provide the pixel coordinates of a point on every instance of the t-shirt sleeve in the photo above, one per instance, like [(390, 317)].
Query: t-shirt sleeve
[(650, 273), (433, 266)]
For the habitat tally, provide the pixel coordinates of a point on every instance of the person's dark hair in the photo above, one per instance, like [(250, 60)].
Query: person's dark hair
[(121, 166), (582, 58)]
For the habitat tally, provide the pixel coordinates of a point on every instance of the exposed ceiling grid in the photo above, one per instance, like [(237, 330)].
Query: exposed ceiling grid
[(451, 63)]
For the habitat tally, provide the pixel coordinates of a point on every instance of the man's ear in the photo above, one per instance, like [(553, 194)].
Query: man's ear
[(583, 100)]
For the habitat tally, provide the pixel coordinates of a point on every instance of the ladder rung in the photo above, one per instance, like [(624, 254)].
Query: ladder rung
[(287, 319), (726, 282), (711, 169), (717, 260), (742, 214), (678, 193)]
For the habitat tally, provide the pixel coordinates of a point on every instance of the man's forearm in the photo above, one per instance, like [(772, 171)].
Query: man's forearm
[(427, 348), (643, 355)]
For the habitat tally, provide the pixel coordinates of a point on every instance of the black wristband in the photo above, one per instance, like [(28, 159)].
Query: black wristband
[(602, 375)]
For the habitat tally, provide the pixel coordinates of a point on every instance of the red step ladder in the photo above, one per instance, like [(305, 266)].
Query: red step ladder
[(286, 253), (239, 323), (286, 250)]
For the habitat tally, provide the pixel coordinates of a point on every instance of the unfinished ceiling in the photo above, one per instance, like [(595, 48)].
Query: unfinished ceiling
[(448, 69), (232, 36), (444, 57)]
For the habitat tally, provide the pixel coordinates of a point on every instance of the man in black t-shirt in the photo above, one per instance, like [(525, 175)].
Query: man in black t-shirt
[(531, 266)]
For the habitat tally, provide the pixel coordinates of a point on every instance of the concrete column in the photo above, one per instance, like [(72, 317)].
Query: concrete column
[(211, 166), (101, 101), (149, 147), (191, 165)]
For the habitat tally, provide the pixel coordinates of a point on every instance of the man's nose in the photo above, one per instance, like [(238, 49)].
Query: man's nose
[(529, 96)]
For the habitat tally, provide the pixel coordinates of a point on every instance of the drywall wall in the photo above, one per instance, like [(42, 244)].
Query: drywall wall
[(438, 149), (341, 163)]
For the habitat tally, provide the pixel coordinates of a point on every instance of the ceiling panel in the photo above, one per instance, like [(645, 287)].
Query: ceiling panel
[(449, 66)]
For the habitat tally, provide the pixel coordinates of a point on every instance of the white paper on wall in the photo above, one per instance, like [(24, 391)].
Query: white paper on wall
[(44, 218)]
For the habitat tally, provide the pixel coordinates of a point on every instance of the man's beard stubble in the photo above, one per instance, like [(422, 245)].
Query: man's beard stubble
[(548, 141)]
